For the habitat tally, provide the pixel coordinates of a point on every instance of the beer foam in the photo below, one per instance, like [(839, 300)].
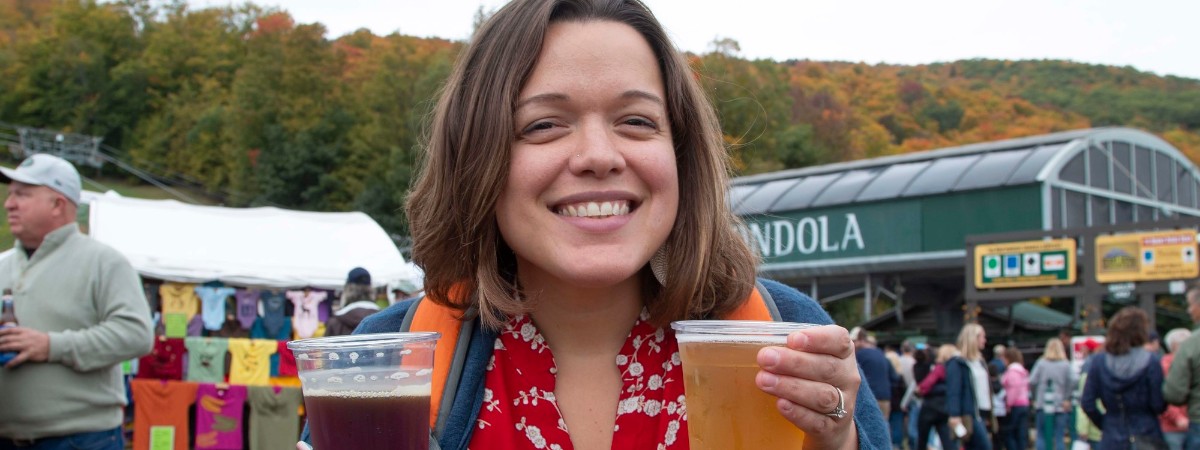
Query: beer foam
[(730, 339), (400, 391)]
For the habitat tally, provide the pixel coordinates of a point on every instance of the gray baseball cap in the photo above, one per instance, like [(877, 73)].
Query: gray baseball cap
[(46, 170)]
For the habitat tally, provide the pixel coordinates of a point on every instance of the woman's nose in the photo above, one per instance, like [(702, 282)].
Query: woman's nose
[(598, 152)]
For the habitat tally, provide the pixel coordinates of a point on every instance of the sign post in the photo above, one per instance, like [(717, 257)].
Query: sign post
[(1025, 263), (1158, 255)]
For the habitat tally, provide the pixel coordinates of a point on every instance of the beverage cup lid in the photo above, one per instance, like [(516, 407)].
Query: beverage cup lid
[(364, 341), (735, 330)]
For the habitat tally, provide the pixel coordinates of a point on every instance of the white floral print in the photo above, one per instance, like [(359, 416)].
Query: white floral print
[(519, 390)]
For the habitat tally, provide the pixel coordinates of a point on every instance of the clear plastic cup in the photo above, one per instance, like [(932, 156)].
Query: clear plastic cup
[(726, 410), (368, 391)]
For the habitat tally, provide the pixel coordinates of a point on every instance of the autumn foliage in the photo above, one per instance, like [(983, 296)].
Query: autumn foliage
[(258, 109)]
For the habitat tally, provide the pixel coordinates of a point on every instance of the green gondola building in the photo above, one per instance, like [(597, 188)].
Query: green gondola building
[(889, 235)]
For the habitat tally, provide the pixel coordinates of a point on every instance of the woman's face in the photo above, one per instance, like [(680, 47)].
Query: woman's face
[(592, 190), (982, 340)]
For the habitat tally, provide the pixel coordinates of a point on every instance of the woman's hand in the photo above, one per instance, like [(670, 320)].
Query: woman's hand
[(955, 423), (807, 376)]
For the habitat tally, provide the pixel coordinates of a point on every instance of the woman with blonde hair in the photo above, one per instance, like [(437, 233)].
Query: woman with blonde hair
[(969, 390), (1053, 381)]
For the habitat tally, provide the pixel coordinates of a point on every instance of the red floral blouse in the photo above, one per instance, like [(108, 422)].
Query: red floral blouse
[(520, 412)]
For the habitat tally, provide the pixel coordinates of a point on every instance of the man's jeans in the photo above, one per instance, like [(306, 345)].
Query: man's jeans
[(1193, 436), (98, 440), (1052, 431)]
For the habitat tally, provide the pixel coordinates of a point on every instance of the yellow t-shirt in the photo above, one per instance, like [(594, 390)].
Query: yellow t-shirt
[(179, 298), (251, 361)]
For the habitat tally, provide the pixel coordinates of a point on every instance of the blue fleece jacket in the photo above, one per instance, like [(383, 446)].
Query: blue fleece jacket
[(793, 307), (960, 393), (1130, 386)]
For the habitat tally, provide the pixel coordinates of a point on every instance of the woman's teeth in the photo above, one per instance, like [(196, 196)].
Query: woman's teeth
[(595, 209)]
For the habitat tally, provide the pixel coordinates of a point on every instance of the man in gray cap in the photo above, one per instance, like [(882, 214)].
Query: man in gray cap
[(80, 310)]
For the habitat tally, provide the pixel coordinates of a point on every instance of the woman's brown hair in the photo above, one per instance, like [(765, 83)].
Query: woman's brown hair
[(451, 208), (1127, 329), (1012, 355)]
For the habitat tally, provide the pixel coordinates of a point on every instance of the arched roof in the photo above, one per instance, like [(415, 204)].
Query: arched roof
[(1097, 162)]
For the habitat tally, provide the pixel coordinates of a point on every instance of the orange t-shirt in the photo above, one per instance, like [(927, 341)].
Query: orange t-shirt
[(161, 403)]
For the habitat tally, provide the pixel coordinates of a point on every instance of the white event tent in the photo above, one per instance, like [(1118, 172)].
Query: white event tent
[(262, 247)]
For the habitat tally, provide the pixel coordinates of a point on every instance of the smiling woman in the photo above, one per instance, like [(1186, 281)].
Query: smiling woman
[(571, 147)]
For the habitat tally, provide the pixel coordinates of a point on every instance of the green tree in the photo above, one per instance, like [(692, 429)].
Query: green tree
[(70, 72)]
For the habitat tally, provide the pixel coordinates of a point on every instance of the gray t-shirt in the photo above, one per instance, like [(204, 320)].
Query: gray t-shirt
[(274, 417)]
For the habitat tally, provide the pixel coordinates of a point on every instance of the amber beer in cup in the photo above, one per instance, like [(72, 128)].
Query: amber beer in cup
[(369, 391), (725, 408)]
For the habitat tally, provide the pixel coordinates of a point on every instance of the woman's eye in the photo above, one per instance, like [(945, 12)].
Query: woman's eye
[(538, 126), (641, 122)]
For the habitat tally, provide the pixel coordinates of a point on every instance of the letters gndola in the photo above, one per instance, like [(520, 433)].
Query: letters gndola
[(807, 236)]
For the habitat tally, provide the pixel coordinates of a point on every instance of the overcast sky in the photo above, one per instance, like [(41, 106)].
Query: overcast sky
[(1155, 36)]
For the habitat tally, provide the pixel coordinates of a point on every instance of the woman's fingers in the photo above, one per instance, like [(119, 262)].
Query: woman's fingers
[(818, 397), (828, 340), (814, 377)]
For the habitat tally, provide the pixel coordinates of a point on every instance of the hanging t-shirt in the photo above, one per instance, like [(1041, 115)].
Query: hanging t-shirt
[(247, 306), (251, 361), (219, 417), (259, 331), (179, 298), (195, 327), (175, 325), (162, 404), (274, 420), (287, 361), (212, 305), (165, 362), (325, 308), (304, 322), (273, 318), (206, 359)]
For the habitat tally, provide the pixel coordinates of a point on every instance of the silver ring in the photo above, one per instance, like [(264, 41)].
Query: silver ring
[(840, 411)]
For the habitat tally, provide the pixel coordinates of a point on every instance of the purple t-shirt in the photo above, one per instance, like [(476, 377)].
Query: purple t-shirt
[(219, 416), (247, 306), (195, 327), (325, 308)]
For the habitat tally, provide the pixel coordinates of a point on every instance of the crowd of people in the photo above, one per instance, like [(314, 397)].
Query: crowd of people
[(1122, 390)]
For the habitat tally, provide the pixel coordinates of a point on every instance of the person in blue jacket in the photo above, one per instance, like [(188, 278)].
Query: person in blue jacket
[(1128, 379), (574, 189), (967, 388)]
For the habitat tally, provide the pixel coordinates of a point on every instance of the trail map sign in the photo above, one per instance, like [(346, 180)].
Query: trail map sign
[(1159, 255), (1024, 264)]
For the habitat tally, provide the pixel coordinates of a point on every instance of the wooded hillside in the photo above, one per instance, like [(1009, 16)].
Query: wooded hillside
[(258, 109)]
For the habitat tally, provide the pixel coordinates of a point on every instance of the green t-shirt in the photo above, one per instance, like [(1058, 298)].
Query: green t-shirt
[(206, 359), (175, 324)]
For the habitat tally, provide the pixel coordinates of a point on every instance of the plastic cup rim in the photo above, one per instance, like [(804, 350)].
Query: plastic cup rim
[(364, 341), (736, 328)]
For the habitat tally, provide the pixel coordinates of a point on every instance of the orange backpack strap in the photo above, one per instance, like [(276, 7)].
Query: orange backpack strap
[(758, 306), (449, 355)]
